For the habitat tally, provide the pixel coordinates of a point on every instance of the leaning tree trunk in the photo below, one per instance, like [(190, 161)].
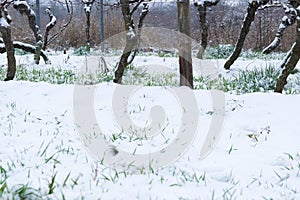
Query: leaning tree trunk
[(130, 41), (292, 60), (132, 37), (9, 47), (249, 18), (288, 20), (184, 48), (24, 8)]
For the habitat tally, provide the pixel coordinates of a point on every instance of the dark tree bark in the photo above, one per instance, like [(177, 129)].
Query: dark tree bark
[(202, 11), (294, 56), (249, 18), (287, 57), (22, 7), (132, 36), (87, 30), (184, 48), (204, 29), (9, 47), (49, 26)]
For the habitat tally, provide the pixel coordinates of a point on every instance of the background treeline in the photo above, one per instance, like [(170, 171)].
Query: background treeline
[(224, 24)]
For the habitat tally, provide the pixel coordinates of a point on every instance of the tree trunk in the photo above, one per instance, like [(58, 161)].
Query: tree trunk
[(249, 18), (132, 37), (88, 9), (87, 30), (184, 48), (130, 41), (291, 62), (204, 29), (202, 11), (9, 47)]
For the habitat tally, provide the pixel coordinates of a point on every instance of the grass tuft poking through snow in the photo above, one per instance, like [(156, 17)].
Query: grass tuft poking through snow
[(242, 82)]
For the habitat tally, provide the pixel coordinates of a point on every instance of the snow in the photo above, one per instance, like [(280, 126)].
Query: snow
[(52, 18), (130, 33), (3, 23), (257, 155), (87, 8), (201, 2), (145, 8)]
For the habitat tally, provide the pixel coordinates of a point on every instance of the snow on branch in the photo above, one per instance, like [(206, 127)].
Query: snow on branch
[(87, 5), (6, 15), (288, 20), (3, 22), (52, 18), (271, 4), (206, 3), (5, 3), (25, 47)]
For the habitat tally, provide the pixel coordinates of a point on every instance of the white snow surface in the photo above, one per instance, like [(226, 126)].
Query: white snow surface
[(3, 22), (257, 156)]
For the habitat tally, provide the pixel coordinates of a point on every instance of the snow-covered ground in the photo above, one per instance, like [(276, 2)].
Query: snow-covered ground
[(256, 157)]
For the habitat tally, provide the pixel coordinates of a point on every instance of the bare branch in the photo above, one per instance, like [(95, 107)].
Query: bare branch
[(25, 47), (136, 7), (69, 6), (49, 26)]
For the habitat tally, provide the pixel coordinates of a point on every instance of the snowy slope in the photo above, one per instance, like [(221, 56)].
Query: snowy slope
[(257, 156)]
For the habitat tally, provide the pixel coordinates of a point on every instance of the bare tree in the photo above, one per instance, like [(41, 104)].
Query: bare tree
[(132, 36), (88, 4), (202, 11), (6, 34), (6, 43), (49, 39), (49, 26), (184, 48), (253, 6), (23, 7)]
